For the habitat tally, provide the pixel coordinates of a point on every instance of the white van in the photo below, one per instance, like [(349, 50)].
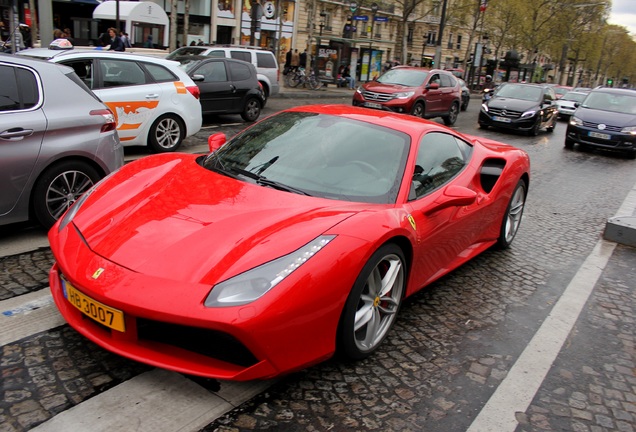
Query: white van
[(265, 62)]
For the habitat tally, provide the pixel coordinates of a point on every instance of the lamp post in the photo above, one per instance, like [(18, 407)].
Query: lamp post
[(438, 48)]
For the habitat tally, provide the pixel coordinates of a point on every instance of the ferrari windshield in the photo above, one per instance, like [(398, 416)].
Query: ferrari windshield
[(405, 77), (319, 155)]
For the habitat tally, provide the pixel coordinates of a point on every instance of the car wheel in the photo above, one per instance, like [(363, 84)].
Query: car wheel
[(252, 110), (465, 105), (483, 126), (372, 306), (166, 134), (512, 217), (59, 187), (631, 154), (535, 128), (451, 118), (569, 144), (418, 110)]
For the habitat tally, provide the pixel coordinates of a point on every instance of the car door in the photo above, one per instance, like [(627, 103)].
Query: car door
[(550, 107), (243, 78), (126, 89), (444, 233), (434, 96), (449, 89), (218, 94), (22, 129)]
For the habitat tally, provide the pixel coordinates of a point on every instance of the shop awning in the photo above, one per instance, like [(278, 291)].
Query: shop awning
[(146, 12)]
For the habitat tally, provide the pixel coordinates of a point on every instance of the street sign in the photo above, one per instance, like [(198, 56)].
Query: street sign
[(269, 10), (353, 6)]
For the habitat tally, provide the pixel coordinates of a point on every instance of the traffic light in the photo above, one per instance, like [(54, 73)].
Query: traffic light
[(433, 62), (610, 82)]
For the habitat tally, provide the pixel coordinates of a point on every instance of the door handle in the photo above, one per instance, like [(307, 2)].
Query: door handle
[(152, 96), (18, 133)]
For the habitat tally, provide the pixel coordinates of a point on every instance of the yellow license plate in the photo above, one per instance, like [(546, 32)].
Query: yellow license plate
[(101, 313)]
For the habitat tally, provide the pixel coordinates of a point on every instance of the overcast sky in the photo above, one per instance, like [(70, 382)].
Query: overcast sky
[(624, 13)]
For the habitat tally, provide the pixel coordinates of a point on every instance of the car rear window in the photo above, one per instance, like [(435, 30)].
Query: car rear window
[(20, 90), (160, 73), (265, 60), (241, 55)]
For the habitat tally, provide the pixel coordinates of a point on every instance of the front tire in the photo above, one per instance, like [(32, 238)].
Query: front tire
[(166, 134), (418, 110), (373, 303), (535, 128), (252, 110), (569, 144), (59, 187), (512, 217)]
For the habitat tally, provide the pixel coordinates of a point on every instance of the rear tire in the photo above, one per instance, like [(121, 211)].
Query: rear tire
[(252, 110), (512, 217), (59, 187), (451, 118)]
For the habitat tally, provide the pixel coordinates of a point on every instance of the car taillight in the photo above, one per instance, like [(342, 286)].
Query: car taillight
[(194, 90), (108, 116)]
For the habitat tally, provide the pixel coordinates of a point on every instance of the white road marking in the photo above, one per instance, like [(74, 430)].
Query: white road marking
[(159, 401), (516, 391), (27, 315)]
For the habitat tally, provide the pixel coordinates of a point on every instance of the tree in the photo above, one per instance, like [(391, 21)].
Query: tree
[(173, 25)]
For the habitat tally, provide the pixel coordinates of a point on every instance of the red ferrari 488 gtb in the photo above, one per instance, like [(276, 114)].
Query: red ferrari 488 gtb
[(296, 239)]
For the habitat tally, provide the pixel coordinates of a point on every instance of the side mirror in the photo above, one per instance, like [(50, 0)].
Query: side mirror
[(197, 77), (215, 141), (453, 196), (432, 86)]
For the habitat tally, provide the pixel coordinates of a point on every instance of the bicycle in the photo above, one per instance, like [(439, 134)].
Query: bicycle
[(299, 77)]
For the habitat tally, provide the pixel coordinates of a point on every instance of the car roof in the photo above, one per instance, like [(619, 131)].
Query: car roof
[(45, 53), (35, 63), (625, 91)]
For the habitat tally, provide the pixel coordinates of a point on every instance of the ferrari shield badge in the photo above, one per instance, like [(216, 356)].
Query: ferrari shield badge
[(412, 221), (98, 273)]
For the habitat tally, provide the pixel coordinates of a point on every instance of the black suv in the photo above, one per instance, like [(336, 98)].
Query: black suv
[(523, 107), (606, 119)]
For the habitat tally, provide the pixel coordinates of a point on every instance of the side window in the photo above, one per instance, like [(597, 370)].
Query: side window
[(83, 69), (119, 73), (240, 72), (216, 53), (550, 95), (9, 98), (435, 79), (19, 89), (213, 71), (447, 81), (160, 73), (440, 157), (241, 55), (265, 60)]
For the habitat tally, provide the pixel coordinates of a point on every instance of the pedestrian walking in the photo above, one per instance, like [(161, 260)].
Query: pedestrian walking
[(116, 43)]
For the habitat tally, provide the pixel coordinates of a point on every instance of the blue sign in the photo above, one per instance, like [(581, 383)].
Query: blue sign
[(381, 19), (360, 18)]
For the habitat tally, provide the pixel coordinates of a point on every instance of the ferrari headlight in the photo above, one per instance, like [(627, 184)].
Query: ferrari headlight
[(629, 130), (254, 283), (403, 95), (575, 121), (70, 214), (528, 114)]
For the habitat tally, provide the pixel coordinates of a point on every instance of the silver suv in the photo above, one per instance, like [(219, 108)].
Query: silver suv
[(56, 140), (263, 60)]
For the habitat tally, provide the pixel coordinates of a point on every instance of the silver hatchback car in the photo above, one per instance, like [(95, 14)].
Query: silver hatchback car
[(56, 140)]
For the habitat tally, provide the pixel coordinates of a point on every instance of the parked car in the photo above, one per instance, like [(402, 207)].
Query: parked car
[(521, 107), (227, 86), (606, 119), (155, 102), (465, 94), (413, 90), (263, 60), (567, 104), (57, 139), (347, 212)]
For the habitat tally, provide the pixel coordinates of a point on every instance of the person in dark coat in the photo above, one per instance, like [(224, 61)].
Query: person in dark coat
[(116, 44)]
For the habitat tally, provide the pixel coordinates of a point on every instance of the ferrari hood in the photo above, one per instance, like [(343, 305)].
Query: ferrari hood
[(169, 217)]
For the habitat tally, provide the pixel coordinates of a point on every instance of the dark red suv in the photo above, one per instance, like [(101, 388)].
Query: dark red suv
[(413, 90)]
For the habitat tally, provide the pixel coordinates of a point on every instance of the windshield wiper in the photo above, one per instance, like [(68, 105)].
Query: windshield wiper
[(264, 181)]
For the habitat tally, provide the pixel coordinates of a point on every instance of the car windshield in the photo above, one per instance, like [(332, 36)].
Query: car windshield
[(183, 51), (574, 97), (613, 102), (405, 77), (520, 91), (319, 155)]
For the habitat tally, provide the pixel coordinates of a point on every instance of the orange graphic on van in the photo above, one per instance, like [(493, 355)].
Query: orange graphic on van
[(131, 115)]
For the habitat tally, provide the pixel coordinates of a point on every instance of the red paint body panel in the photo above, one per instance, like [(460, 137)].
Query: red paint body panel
[(165, 230)]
